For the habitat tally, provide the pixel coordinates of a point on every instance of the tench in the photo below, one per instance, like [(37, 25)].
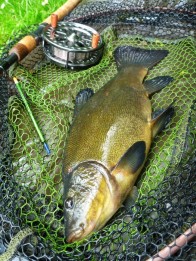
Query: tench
[(109, 141)]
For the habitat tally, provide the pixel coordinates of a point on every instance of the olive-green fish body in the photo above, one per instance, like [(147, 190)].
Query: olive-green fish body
[(113, 119), (108, 143)]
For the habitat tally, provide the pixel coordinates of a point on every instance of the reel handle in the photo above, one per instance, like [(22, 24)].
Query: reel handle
[(29, 42)]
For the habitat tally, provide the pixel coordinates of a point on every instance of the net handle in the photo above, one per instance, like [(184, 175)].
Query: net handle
[(176, 245)]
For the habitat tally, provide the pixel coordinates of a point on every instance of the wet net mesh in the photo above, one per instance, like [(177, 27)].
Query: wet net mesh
[(31, 209)]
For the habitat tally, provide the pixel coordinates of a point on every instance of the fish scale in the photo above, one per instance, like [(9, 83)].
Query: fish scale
[(109, 140), (113, 111)]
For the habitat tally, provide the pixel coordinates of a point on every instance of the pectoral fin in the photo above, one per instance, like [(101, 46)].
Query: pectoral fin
[(161, 118), (157, 83), (132, 160), (82, 97)]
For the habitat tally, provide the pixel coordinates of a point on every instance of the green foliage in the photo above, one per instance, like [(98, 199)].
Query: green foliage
[(15, 15)]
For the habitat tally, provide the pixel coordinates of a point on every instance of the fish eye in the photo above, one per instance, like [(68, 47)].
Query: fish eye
[(69, 203)]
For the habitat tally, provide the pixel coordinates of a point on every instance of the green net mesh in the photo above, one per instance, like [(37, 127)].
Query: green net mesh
[(31, 189)]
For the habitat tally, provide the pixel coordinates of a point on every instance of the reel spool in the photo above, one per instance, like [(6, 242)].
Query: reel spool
[(72, 45)]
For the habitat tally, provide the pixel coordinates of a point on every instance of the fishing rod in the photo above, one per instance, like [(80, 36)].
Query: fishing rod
[(29, 42)]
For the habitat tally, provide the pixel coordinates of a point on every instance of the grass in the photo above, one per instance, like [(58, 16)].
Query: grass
[(15, 15)]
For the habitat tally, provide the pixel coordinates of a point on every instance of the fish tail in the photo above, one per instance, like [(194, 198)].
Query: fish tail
[(128, 56)]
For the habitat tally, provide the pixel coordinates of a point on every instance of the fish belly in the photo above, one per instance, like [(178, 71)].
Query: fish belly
[(108, 125)]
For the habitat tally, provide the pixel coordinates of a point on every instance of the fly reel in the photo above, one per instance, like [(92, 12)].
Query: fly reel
[(72, 45)]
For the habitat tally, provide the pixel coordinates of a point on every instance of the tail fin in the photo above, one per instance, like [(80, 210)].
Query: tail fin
[(128, 55)]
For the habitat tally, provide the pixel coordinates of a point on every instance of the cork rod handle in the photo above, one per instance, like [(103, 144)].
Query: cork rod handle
[(28, 43)]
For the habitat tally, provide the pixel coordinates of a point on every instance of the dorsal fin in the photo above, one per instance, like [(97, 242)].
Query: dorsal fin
[(82, 97)]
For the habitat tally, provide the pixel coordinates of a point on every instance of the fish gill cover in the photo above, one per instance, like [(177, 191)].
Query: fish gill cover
[(31, 209)]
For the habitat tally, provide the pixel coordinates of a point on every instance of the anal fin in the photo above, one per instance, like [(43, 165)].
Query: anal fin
[(161, 118), (82, 97), (157, 83)]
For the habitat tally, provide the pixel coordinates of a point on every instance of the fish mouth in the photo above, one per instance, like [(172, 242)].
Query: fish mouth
[(80, 233), (75, 235)]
